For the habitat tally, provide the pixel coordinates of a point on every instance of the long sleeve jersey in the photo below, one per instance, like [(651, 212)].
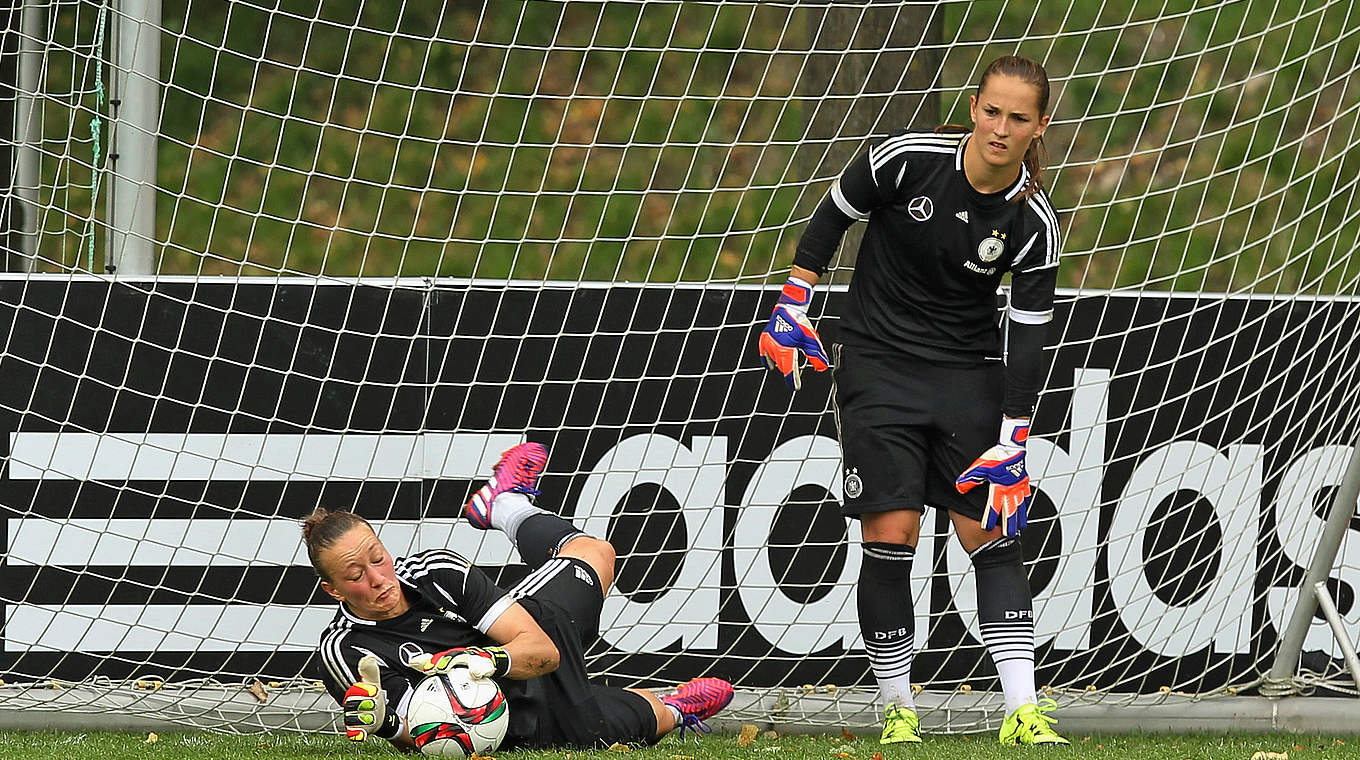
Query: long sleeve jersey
[(933, 256)]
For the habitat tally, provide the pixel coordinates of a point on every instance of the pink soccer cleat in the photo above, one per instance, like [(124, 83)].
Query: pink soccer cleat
[(516, 472), (698, 700)]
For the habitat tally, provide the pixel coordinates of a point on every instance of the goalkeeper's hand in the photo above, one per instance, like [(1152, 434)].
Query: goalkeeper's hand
[(481, 662), (365, 705), (1002, 467), (789, 331)]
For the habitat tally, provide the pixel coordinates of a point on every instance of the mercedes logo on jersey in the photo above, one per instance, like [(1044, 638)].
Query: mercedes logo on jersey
[(920, 208), (409, 651)]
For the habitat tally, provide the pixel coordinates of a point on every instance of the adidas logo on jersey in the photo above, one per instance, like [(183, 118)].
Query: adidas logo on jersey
[(962, 215), (425, 624)]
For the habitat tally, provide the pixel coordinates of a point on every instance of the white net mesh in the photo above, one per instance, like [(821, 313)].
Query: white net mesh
[(433, 219)]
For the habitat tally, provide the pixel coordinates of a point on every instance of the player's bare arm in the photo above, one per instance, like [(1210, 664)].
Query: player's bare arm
[(805, 274), (523, 650), (531, 652)]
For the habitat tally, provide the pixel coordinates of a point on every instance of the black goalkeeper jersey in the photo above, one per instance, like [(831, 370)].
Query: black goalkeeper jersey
[(453, 604), (933, 256), (934, 251)]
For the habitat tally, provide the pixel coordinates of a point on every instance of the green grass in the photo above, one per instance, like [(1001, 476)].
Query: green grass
[(195, 746), (1202, 144)]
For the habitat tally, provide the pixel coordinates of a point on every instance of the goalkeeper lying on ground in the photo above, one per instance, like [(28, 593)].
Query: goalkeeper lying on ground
[(425, 613)]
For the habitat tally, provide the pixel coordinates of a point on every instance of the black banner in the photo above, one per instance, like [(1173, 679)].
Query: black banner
[(1174, 444)]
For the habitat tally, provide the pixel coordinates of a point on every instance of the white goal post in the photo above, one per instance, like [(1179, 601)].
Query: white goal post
[(343, 253)]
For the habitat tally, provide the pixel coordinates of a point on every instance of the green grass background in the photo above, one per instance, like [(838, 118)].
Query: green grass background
[(120, 746), (1197, 145)]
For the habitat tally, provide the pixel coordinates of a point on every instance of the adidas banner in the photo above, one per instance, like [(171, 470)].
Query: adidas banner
[(164, 438)]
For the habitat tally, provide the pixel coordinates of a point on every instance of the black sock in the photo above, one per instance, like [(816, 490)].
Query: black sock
[(886, 618), (1006, 616), (542, 536)]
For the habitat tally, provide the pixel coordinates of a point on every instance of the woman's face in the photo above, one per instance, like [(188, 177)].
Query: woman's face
[(359, 573), (1006, 120)]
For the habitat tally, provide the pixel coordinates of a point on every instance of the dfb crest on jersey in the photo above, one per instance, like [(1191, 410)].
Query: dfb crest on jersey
[(921, 208), (990, 249)]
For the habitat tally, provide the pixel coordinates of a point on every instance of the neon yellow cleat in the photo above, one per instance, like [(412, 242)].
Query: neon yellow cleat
[(900, 725), (1029, 724)]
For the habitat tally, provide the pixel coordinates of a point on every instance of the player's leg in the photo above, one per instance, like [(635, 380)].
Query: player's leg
[(1005, 604), (1005, 608), (883, 599), (887, 619), (597, 553), (665, 717), (1006, 619), (883, 448), (563, 595), (538, 535), (638, 716)]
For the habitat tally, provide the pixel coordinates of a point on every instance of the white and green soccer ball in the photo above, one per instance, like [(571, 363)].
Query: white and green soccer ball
[(453, 715)]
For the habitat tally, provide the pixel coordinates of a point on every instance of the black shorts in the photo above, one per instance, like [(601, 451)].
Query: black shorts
[(572, 586), (909, 428), (564, 597)]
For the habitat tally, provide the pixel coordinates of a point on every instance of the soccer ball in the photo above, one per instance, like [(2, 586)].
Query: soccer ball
[(453, 715)]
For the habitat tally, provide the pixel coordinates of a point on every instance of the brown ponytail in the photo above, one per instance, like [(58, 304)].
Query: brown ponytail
[(1036, 156), (323, 528)]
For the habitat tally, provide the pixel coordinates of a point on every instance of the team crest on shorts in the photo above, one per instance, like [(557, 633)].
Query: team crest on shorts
[(854, 487), (921, 208)]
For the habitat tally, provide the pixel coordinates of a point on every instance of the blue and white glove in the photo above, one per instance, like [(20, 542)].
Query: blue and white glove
[(789, 331), (1002, 467)]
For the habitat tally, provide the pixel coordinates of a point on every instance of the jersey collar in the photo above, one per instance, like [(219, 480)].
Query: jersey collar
[(1009, 193), (353, 618)]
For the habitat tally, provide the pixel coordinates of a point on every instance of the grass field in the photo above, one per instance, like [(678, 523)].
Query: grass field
[(95, 746)]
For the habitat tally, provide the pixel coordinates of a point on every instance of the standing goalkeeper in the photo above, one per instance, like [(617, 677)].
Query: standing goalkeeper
[(926, 409), (402, 619)]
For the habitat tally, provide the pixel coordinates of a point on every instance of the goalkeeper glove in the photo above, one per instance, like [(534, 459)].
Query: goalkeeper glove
[(1002, 467), (789, 332), (481, 662), (365, 705)]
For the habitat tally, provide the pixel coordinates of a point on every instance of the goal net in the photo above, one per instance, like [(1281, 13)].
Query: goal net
[(269, 256)]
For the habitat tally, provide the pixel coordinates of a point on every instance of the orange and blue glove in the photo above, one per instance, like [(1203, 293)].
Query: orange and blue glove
[(365, 705), (789, 331), (1002, 468), (481, 662)]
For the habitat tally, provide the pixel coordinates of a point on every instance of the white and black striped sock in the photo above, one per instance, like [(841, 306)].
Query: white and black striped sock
[(886, 619), (1006, 617)]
